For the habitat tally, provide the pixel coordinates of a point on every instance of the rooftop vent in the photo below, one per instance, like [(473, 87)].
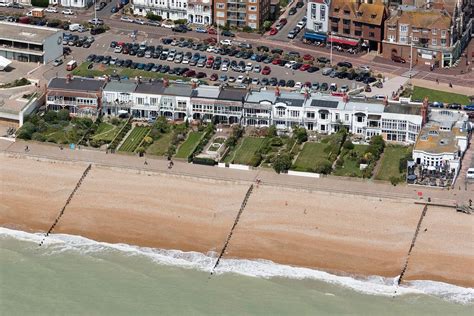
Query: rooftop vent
[(443, 142), (433, 133)]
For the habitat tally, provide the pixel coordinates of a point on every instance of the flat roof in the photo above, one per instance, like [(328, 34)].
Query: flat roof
[(209, 92), (120, 86), (259, 96), (359, 106), (433, 140), (233, 94), (410, 109), (154, 87), (26, 33), (76, 84), (182, 90)]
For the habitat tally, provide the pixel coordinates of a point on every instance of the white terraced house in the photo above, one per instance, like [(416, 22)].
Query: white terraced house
[(326, 114), (200, 12), (167, 9)]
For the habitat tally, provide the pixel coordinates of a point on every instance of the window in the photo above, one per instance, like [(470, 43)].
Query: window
[(371, 34), (335, 29), (346, 22), (253, 8), (310, 115), (391, 38), (295, 113), (434, 42), (221, 5), (358, 33), (415, 39), (434, 31), (403, 28), (347, 31), (403, 39), (252, 16), (360, 119), (281, 111), (371, 27), (317, 26), (322, 116), (443, 33), (346, 12), (220, 14), (322, 13), (153, 101), (313, 11), (443, 42), (346, 117), (253, 1), (358, 24), (337, 116)]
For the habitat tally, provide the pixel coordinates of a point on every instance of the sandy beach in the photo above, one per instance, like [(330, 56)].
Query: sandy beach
[(340, 233)]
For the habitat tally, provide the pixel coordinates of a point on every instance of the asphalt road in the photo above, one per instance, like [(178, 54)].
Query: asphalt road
[(292, 21), (379, 65)]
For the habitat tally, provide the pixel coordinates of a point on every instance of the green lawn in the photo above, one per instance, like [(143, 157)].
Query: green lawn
[(350, 168), (248, 148), (134, 139), (390, 162), (419, 93), (82, 70), (160, 146), (187, 148), (106, 131), (310, 156)]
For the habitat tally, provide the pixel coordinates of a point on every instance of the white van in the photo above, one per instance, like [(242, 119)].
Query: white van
[(74, 27), (470, 173), (326, 71)]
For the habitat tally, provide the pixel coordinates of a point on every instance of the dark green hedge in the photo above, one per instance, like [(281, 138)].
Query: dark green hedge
[(40, 3)]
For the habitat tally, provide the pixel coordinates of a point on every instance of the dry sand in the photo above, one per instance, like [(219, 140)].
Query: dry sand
[(333, 232)]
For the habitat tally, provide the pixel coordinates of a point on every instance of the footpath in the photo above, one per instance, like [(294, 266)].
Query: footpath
[(40, 151)]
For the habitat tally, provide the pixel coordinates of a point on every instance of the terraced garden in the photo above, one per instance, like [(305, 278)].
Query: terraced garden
[(134, 139), (189, 145), (350, 162), (311, 156), (246, 151)]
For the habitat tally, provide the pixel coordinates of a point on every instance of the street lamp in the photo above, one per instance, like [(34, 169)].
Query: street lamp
[(330, 54), (411, 53)]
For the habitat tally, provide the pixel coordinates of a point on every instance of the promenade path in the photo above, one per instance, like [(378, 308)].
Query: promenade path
[(267, 177)]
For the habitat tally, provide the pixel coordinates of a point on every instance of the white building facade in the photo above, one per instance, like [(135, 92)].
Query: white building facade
[(200, 12), (78, 4), (167, 9), (317, 15)]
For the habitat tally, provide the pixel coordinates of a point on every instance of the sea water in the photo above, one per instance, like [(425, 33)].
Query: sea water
[(77, 276)]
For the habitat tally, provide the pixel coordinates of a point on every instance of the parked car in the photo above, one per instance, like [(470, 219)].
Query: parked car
[(57, 62), (266, 70), (344, 64), (67, 12), (227, 33), (125, 18), (292, 11), (51, 10), (96, 21), (398, 59), (273, 31)]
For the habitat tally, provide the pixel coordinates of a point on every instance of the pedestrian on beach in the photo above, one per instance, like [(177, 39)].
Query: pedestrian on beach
[(26, 149), (450, 85), (470, 202), (145, 163), (437, 80)]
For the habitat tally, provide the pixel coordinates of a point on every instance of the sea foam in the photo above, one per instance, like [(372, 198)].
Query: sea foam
[(372, 285)]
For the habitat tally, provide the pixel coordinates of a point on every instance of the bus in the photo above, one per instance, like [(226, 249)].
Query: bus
[(71, 65)]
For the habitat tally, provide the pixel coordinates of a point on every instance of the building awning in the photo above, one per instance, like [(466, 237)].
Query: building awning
[(4, 62), (315, 36), (343, 41)]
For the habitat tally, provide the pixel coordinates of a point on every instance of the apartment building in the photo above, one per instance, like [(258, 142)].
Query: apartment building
[(80, 96), (317, 20), (357, 22), (167, 9), (437, 33), (241, 13)]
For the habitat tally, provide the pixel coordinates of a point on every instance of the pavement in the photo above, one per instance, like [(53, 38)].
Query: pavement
[(267, 177), (378, 64)]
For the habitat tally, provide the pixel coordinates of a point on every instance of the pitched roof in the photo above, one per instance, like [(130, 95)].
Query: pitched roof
[(154, 87), (422, 19), (120, 86), (233, 94), (370, 13), (76, 84)]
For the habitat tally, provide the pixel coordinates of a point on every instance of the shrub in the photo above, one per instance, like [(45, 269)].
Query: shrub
[(267, 25), (140, 150), (301, 135), (340, 162), (180, 21), (204, 161), (26, 131), (63, 115), (402, 165), (154, 17), (325, 167), (40, 3), (115, 121), (51, 116), (256, 159), (348, 145), (282, 163), (395, 180), (247, 29), (38, 137), (148, 140)]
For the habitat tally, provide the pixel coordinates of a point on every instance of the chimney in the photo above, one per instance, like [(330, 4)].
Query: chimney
[(165, 82), (277, 91), (68, 78), (194, 85), (345, 98), (424, 111), (385, 101)]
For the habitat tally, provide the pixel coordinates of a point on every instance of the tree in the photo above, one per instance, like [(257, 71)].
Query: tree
[(348, 145), (40, 3), (267, 25), (301, 135), (272, 131), (282, 163), (154, 17), (50, 116), (162, 125), (325, 167), (63, 115), (26, 131)]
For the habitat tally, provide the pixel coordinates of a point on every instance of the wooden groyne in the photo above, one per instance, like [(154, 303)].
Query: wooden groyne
[(236, 221), (78, 184), (420, 221)]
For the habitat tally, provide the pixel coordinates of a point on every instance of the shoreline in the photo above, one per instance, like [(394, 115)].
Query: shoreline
[(304, 228)]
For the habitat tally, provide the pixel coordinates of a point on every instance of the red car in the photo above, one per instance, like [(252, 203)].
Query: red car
[(305, 67), (308, 57), (266, 70), (212, 31), (283, 21), (273, 31), (276, 61), (213, 77), (190, 73)]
